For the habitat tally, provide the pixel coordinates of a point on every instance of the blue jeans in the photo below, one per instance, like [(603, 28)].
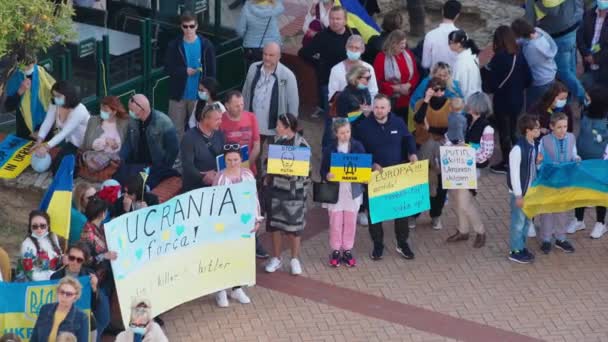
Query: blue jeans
[(102, 312), (518, 231), (566, 64)]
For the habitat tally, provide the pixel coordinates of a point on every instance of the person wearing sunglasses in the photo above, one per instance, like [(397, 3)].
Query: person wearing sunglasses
[(151, 142), (142, 327), (189, 58), (200, 147), (62, 316), (354, 102), (40, 251)]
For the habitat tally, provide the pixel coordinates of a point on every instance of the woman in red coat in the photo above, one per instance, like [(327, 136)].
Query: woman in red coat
[(396, 72)]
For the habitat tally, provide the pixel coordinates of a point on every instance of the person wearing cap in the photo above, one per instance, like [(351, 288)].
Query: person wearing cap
[(141, 325)]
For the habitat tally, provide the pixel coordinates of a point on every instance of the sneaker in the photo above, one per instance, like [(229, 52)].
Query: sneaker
[(500, 169), (436, 223), (317, 113), (564, 245), (240, 296), (405, 251), (260, 252), (546, 247), (222, 299), (519, 257), (334, 259), (598, 230), (575, 225), (296, 268), (348, 259), (531, 230), (362, 219), (528, 253), (411, 222), (273, 265), (377, 252)]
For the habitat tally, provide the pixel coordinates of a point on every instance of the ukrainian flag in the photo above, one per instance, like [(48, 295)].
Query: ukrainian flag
[(57, 200), (359, 19), (563, 187)]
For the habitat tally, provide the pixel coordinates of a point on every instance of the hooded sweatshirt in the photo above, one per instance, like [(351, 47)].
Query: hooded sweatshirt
[(540, 54), (259, 18)]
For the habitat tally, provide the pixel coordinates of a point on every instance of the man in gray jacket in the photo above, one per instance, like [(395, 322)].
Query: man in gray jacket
[(270, 90)]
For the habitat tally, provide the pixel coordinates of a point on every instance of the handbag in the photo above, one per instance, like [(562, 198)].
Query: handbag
[(510, 72), (314, 27), (325, 192)]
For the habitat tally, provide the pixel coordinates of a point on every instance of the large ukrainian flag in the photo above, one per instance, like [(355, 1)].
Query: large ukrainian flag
[(563, 187), (359, 19), (57, 200)]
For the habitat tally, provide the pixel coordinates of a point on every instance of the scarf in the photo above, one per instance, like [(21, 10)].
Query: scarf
[(391, 68)]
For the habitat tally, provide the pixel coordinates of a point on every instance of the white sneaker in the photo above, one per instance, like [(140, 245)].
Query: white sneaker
[(531, 230), (436, 223), (598, 230), (222, 299), (240, 296), (273, 265), (362, 219), (296, 268), (411, 222), (575, 225)]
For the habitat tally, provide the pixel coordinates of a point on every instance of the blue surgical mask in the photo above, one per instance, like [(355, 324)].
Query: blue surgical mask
[(138, 330), (203, 95), (59, 101), (132, 115), (602, 4), (353, 55), (361, 86), (560, 103), (104, 115)]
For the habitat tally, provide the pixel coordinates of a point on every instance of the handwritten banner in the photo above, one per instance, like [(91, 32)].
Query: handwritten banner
[(14, 156), (351, 167), (195, 244), (20, 304), (458, 168), (220, 161), (288, 160), (399, 191)]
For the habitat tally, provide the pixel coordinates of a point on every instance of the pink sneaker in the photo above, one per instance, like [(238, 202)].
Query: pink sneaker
[(348, 259)]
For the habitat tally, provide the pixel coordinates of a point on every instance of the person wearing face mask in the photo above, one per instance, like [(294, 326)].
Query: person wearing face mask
[(28, 93), (555, 100), (141, 326), (69, 117), (592, 42), (355, 47), (354, 102), (208, 88), (151, 142), (40, 251), (103, 140), (397, 72)]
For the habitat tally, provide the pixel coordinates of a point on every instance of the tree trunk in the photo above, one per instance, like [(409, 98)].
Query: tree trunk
[(415, 9)]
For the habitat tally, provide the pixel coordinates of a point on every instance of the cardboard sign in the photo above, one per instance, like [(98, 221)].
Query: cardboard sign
[(288, 160), (351, 167), (458, 167)]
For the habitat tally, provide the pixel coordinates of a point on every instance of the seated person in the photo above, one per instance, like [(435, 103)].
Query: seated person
[(134, 197), (200, 146), (40, 251), (141, 325), (151, 142)]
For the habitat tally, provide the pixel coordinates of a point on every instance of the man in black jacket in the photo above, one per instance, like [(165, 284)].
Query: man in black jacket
[(188, 59)]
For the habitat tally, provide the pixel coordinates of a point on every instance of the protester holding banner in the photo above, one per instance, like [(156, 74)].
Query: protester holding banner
[(343, 214), (555, 100), (40, 251), (355, 101), (62, 316), (142, 327), (208, 89), (387, 138), (134, 197), (67, 115), (83, 191), (557, 148), (199, 148), (285, 200)]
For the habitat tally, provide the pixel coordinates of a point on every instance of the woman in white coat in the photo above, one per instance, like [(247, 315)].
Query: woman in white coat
[(466, 67)]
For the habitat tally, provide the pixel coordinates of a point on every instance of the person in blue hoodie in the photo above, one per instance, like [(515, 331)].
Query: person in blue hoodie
[(258, 25)]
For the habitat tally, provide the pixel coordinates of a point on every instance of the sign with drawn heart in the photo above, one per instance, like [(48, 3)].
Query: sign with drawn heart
[(458, 167), (198, 242)]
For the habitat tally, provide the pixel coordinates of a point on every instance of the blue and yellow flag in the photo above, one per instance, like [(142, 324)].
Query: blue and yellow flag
[(563, 187), (20, 304), (14, 156), (57, 200), (35, 101), (359, 19), (288, 160)]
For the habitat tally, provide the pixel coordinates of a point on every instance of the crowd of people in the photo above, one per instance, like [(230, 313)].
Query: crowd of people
[(384, 98)]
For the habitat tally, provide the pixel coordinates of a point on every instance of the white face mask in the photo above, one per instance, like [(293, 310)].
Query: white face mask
[(41, 236), (29, 72), (560, 103)]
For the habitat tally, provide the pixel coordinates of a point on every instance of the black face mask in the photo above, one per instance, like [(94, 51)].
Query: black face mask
[(437, 101)]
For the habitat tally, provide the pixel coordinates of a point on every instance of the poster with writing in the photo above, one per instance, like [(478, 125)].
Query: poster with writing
[(220, 162), (14, 156), (351, 167), (195, 244), (288, 160), (20, 304), (399, 191), (458, 168)]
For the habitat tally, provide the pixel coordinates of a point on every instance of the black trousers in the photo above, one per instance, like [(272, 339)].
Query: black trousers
[(600, 214), (506, 125), (376, 231), (65, 149), (438, 202)]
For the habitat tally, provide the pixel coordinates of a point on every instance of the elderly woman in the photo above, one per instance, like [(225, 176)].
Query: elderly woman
[(40, 251), (397, 72), (286, 200), (354, 102), (258, 25), (141, 326), (55, 318), (103, 140)]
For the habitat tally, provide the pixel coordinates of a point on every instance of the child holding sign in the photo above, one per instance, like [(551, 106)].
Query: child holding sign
[(343, 214)]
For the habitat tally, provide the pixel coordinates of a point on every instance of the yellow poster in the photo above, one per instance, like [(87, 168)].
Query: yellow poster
[(14, 156)]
